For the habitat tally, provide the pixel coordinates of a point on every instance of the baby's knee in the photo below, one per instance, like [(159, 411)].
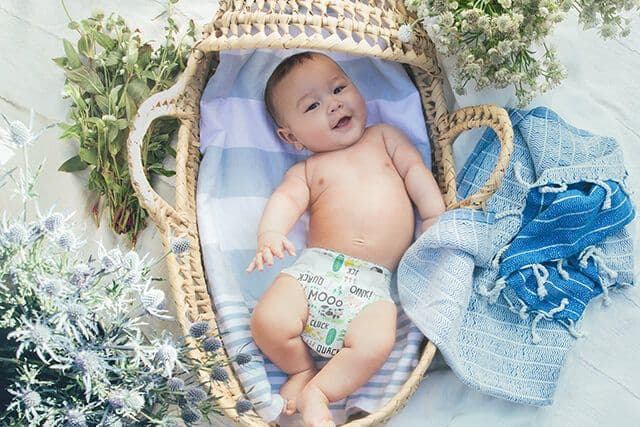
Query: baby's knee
[(270, 324), (263, 322)]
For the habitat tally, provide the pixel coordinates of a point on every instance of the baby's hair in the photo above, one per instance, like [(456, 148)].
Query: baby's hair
[(281, 71)]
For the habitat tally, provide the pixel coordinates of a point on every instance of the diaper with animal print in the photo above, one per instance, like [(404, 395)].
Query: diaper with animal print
[(337, 287)]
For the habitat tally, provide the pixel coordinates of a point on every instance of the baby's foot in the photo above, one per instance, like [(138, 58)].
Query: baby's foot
[(314, 407), (292, 389)]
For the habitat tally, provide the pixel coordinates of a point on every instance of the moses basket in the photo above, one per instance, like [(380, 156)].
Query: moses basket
[(358, 27)]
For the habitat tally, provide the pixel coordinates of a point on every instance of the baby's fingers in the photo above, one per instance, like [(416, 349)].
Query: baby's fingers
[(277, 251), (252, 266), (268, 256), (289, 247), (259, 262)]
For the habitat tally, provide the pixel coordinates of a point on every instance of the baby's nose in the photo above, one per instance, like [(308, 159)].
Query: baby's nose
[(335, 106)]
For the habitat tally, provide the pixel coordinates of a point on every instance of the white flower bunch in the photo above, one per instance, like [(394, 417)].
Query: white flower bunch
[(502, 43), (73, 349)]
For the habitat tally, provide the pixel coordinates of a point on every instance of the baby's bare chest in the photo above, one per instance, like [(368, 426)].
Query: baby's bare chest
[(356, 175)]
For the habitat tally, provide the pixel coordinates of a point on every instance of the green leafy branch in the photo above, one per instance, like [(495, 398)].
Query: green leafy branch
[(109, 72)]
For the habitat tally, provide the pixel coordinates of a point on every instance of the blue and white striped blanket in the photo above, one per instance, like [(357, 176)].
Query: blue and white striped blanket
[(552, 264), (497, 290), (243, 161)]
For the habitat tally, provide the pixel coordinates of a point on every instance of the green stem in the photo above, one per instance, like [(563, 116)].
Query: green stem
[(12, 360), (66, 11), (27, 174)]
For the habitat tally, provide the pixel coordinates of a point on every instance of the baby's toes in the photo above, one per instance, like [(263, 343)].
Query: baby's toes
[(290, 407)]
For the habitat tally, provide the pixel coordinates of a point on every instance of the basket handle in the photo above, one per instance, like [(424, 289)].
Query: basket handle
[(468, 118), (162, 104)]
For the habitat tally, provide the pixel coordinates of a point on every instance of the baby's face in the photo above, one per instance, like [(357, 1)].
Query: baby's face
[(319, 107)]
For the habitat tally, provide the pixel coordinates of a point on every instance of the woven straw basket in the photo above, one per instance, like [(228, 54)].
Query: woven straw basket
[(358, 27)]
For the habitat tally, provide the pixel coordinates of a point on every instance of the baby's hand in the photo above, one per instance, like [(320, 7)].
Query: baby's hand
[(270, 243)]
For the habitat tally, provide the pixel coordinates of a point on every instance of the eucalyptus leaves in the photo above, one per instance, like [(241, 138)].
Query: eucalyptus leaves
[(502, 42), (109, 72)]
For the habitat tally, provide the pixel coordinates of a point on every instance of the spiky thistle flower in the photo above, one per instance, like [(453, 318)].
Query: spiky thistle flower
[(53, 221), (243, 358), (116, 400), (17, 234), (92, 367), (166, 356), (134, 401), (28, 401), (191, 415), (195, 395), (180, 245), (212, 344), (218, 373), (152, 301), (49, 287), (243, 406), (17, 134), (175, 384), (110, 261), (199, 329), (67, 241), (39, 336), (81, 276)]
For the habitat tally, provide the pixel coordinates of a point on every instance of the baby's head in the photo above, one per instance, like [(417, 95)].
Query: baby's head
[(314, 103)]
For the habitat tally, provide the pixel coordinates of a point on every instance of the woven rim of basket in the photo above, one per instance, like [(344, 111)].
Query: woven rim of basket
[(354, 27)]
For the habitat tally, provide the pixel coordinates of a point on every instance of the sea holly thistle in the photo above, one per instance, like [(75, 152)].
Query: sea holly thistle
[(503, 43), (73, 350), (109, 72), (18, 136)]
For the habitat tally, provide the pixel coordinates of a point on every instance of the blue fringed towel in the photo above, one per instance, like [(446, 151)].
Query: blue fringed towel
[(552, 264), (497, 290)]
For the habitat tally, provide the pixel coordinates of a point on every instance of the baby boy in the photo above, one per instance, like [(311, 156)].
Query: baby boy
[(358, 187)]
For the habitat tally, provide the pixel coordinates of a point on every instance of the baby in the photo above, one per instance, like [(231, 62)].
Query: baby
[(358, 187)]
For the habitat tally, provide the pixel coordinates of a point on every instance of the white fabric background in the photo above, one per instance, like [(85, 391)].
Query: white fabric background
[(600, 384)]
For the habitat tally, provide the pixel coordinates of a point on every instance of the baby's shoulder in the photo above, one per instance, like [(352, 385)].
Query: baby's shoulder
[(381, 131), (299, 170), (377, 129)]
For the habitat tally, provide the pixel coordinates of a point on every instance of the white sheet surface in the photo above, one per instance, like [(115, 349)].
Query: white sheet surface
[(601, 382)]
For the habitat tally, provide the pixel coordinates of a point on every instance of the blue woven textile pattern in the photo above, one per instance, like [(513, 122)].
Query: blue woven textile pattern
[(473, 288), (551, 264)]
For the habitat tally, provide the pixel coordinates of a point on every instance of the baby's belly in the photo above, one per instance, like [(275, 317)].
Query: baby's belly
[(378, 229)]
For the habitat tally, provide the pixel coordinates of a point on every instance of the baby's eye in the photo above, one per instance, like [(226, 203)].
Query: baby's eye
[(312, 106), (338, 90)]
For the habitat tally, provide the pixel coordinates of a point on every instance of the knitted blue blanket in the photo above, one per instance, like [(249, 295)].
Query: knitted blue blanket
[(500, 292)]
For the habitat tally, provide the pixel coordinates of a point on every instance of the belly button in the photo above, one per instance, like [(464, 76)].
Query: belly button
[(359, 242)]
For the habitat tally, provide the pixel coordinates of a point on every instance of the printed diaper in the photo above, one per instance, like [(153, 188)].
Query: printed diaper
[(337, 288)]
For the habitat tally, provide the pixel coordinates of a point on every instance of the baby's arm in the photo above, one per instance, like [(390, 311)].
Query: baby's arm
[(287, 203), (418, 180)]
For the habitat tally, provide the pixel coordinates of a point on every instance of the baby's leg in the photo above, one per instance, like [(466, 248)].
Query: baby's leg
[(367, 345), (276, 324)]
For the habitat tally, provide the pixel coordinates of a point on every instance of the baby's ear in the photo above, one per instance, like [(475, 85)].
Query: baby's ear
[(287, 136)]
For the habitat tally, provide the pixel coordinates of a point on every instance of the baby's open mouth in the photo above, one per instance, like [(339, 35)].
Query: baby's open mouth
[(344, 121)]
